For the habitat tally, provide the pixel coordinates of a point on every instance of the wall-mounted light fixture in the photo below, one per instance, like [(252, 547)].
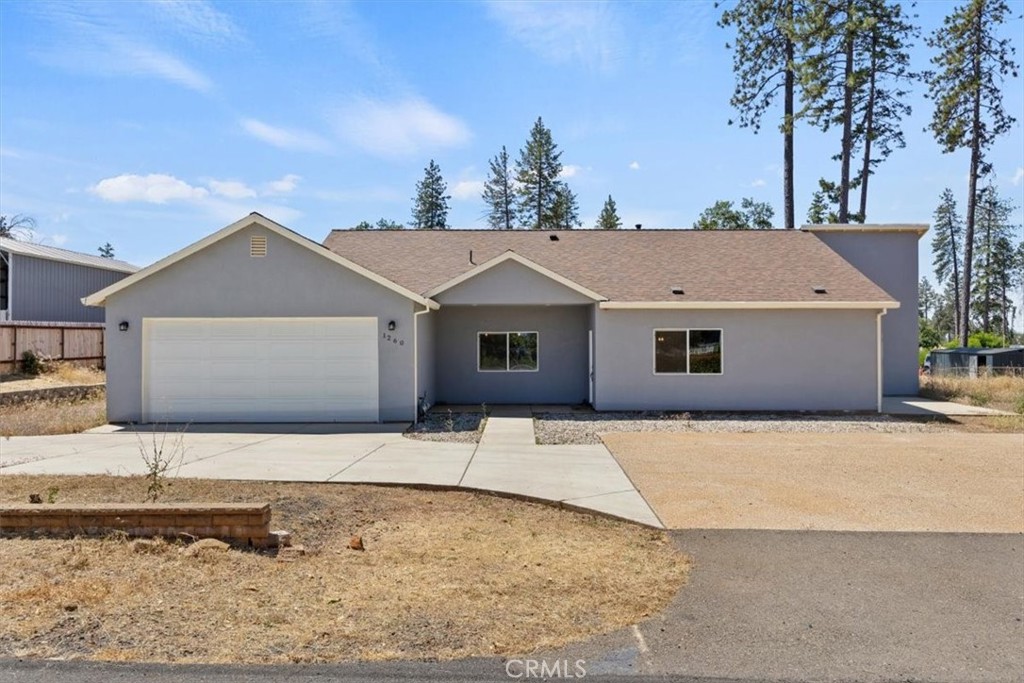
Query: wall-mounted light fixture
[(391, 326), (123, 326)]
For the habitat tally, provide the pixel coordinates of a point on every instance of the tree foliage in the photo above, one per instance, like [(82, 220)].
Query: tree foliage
[(947, 237), (608, 219), (106, 251), (723, 215), (430, 205), (994, 256), (17, 227), (537, 178), (381, 224), (565, 211), (499, 193)]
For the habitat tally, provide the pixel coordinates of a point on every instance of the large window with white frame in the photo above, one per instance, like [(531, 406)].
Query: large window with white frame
[(507, 352), (687, 352)]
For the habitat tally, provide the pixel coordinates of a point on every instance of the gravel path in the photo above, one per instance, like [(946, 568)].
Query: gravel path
[(584, 428), (449, 427)]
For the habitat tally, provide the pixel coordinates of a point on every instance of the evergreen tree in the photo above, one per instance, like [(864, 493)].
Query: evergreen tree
[(106, 251), (971, 64), (609, 217), (722, 215), (382, 224), (946, 241), (927, 300), (499, 194), (537, 183), (993, 259), (824, 203), (565, 211), (430, 208), (764, 61)]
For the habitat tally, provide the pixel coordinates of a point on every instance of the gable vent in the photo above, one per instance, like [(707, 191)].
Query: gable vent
[(258, 246)]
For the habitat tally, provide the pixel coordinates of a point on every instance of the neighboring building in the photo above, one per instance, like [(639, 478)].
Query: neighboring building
[(40, 283), (256, 323), (970, 362)]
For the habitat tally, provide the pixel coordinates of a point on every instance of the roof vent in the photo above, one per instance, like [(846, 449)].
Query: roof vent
[(639, 225), (819, 289), (258, 246), (553, 238), (677, 289)]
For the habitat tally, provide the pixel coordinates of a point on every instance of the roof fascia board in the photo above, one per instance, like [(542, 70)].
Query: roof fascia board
[(747, 305), (523, 261), (100, 297), (919, 228)]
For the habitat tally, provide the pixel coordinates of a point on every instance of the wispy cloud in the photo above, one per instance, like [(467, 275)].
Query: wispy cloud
[(1018, 176), (758, 182), (468, 189), (285, 138), (584, 33), (284, 185), (570, 171), (634, 165), (155, 188), (399, 128), (198, 20), (232, 189)]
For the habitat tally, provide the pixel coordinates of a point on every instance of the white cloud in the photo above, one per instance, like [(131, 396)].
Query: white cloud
[(284, 185), (569, 171), (197, 19), (1018, 176), (232, 189), (634, 165), (759, 182), (468, 189), (285, 138), (58, 239), (155, 188), (395, 129), (587, 33)]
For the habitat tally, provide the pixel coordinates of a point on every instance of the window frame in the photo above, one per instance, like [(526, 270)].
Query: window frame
[(508, 349), (687, 330)]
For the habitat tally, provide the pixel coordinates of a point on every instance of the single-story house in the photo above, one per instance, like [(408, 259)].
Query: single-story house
[(970, 362), (257, 323), (40, 283)]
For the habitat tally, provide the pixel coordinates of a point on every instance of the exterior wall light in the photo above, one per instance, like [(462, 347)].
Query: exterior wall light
[(391, 326), (123, 326)]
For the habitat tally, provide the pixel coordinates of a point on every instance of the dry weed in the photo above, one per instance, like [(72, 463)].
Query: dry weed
[(57, 416), (1005, 392)]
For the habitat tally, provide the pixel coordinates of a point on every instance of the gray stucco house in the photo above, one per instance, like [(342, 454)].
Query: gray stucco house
[(257, 323), (40, 283)]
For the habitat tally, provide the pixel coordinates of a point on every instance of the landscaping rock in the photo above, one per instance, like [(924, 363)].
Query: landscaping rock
[(280, 539), (356, 543), (35, 499)]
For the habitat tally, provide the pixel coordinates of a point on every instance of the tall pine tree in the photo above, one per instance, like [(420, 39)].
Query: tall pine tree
[(499, 193), (971, 64), (993, 258), (764, 61), (430, 205), (537, 172), (107, 250), (947, 237), (565, 211), (608, 219)]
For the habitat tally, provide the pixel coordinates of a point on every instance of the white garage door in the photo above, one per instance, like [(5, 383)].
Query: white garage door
[(260, 369)]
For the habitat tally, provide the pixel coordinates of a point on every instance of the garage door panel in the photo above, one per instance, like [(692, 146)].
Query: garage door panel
[(261, 369)]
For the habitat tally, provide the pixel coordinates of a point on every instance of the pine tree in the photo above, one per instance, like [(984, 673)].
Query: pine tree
[(993, 258), (537, 171), (106, 251), (823, 205), (927, 300), (764, 61), (971, 64), (608, 219), (946, 241), (430, 208), (722, 215), (565, 211), (499, 194)]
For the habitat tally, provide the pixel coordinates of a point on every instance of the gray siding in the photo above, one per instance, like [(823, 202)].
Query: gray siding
[(562, 342), (426, 335), (511, 283), (46, 290), (224, 281), (889, 259), (772, 360)]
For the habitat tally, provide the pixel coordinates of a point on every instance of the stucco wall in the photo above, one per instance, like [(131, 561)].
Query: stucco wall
[(426, 341), (772, 360), (889, 259), (562, 343), (46, 290), (224, 281), (511, 283)]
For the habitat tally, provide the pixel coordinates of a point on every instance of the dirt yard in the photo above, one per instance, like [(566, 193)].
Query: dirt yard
[(60, 375), (948, 481), (54, 416), (444, 575)]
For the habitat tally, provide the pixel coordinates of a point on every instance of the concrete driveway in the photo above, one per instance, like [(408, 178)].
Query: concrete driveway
[(927, 481), (506, 461)]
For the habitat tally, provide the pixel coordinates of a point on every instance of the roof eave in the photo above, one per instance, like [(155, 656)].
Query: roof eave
[(748, 305)]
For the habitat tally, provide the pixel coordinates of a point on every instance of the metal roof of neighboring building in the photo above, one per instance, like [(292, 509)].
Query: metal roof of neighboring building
[(64, 255), (771, 266)]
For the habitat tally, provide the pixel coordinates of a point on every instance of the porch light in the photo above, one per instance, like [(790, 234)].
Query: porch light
[(123, 326), (391, 326)]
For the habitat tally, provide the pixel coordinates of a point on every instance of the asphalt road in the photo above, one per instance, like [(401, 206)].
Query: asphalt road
[(760, 606)]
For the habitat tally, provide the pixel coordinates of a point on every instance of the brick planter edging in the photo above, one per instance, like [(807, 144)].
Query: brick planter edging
[(236, 523)]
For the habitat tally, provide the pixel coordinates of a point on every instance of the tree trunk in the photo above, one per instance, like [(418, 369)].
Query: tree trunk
[(844, 180), (956, 287), (787, 133), (972, 185), (869, 124), (986, 314)]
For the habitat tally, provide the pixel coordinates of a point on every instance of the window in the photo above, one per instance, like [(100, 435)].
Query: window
[(507, 351), (687, 352)]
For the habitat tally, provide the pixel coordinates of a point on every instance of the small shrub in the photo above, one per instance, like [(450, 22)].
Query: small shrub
[(980, 396), (1018, 406), (51, 494), (32, 363), (159, 458)]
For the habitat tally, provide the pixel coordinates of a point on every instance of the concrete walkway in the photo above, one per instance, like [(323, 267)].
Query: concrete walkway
[(915, 405), (507, 459)]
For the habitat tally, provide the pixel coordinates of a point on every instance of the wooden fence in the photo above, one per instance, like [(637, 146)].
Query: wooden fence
[(80, 342)]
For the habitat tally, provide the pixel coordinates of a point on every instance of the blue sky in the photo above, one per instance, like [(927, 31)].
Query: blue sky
[(151, 125)]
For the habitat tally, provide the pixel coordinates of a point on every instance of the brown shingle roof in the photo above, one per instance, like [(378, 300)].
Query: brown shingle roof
[(625, 265)]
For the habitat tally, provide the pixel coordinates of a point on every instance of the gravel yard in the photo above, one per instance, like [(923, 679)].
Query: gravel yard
[(451, 427), (584, 428)]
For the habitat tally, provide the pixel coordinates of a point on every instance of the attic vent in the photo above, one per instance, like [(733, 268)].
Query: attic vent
[(818, 289), (553, 238), (676, 289), (258, 246)]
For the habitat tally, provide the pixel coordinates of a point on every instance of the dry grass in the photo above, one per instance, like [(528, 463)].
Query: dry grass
[(57, 416), (57, 375), (444, 575), (1004, 392)]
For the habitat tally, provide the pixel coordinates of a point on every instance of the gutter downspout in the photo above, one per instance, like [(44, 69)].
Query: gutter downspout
[(879, 375), (416, 363)]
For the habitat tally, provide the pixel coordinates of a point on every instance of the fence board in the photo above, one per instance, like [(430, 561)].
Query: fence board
[(67, 342)]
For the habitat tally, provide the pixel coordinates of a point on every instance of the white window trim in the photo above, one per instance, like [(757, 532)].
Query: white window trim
[(507, 349), (654, 351)]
